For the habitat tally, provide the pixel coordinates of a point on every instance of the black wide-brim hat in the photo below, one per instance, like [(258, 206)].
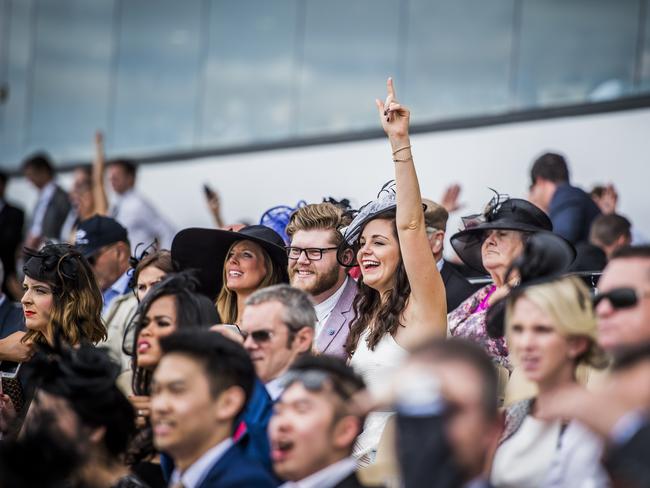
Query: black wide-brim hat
[(205, 250), (547, 257), (507, 214)]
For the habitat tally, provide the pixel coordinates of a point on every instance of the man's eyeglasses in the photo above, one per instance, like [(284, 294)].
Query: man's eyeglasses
[(312, 253), (258, 336), (621, 297)]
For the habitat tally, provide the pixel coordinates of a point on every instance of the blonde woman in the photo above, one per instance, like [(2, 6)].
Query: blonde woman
[(551, 332), (232, 265)]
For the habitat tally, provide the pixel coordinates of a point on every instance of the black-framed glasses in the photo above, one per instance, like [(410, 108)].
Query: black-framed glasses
[(312, 253), (259, 336), (621, 297)]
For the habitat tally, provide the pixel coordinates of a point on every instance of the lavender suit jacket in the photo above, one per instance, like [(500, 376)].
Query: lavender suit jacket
[(332, 337)]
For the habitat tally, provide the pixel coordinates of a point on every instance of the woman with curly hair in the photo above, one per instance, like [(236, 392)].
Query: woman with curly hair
[(401, 299)]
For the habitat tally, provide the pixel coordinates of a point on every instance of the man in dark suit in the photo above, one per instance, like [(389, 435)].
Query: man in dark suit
[(315, 233), (456, 286), (11, 235), (316, 423), (52, 206), (570, 209), (200, 387)]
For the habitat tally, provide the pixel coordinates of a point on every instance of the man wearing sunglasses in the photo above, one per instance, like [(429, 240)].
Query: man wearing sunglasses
[(315, 424), (105, 244), (315, 233), (622, 303), (278, 327)]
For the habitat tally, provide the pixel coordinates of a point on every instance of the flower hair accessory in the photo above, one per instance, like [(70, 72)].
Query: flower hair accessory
[(489, 213)]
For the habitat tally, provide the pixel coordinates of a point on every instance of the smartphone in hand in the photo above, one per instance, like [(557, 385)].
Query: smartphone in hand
[(209, 192)]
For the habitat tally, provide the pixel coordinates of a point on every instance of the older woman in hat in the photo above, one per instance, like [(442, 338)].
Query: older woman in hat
[(489, 244), (551, 331), (232, 265)]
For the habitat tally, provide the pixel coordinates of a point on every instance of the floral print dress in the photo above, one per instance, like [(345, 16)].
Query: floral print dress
[(469, 321)]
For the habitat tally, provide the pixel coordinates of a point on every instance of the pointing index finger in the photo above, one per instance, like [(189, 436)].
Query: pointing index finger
[(390, 88)]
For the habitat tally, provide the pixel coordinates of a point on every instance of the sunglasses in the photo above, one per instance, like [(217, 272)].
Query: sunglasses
[(314, 380), (259, 336), (621, 297)]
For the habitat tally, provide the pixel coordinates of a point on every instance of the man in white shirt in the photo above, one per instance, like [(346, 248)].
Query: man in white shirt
[(199, 388), (315, 425), (52, 206), (142, 221), (278, 325), (105, 243), (315, 233)]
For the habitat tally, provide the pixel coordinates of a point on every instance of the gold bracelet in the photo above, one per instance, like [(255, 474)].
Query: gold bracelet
[(401, 149), (395, 160)]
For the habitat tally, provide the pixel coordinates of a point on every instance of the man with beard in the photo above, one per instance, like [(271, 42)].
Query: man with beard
[(315, 233)]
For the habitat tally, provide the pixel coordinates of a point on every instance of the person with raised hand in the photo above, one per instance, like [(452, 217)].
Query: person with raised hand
[(401, 300)]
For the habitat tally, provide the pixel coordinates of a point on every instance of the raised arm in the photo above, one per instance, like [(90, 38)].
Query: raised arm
[(427, 305), (99, 191)]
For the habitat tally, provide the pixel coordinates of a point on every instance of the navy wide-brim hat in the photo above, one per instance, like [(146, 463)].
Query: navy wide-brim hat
[(205, 251), (501, 213)]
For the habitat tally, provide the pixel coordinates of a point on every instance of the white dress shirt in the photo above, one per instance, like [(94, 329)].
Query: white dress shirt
[(44, 198), (326, 477), (275, 387), (324, 308), (142, 221), (196, 473)]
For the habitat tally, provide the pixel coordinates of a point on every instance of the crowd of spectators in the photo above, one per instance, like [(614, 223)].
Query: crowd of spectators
[(343, 351)]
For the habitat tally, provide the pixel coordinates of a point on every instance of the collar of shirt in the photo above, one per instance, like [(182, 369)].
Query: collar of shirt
[(120, 287), (326, 477), (440, 264), (196, 473), (324, 308), (275, 387), (477, 483)]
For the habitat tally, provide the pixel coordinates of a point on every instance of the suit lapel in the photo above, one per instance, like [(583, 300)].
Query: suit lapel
[(338, 317)]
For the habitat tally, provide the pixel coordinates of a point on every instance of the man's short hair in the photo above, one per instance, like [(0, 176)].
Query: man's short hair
[(551, 167), (435, 215), (319, 216), (225, 362), (471, 354), (632, 252), (129, 166), (606, 229), (298, 309), (40, 162)]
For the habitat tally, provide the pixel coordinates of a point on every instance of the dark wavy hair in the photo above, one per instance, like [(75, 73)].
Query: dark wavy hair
[(192, 310), (369, 308)]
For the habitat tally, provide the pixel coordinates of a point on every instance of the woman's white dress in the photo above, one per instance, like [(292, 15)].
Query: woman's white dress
[(376, 367)]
